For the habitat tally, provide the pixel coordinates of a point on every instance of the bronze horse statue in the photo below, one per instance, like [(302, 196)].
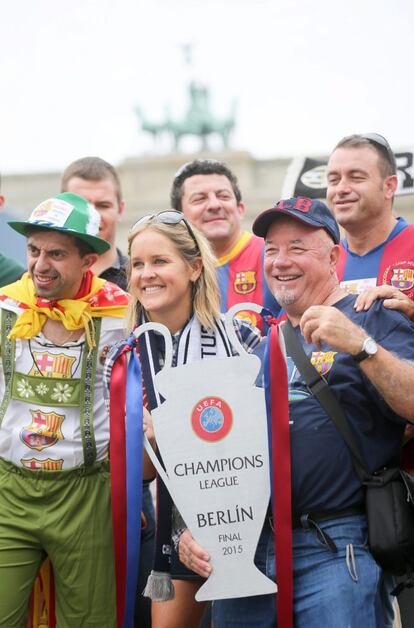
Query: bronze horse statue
[(198, 120)]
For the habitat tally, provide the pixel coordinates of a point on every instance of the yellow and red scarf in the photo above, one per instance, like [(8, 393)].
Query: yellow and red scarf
[(95, 298)]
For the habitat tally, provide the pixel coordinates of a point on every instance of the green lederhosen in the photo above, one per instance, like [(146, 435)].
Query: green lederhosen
[(65, 514)]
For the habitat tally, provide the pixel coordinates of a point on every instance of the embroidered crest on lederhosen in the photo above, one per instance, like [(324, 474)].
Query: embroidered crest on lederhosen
[(43, 431), (52, 364), (46, 465)]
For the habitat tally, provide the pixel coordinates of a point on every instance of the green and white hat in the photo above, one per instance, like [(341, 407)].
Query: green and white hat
[(68, 213)]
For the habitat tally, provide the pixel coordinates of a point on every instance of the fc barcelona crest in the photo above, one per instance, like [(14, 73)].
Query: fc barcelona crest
[(49, 364), (250, 317), (245, 282), (46, 465), (44, 430), (323, 361), (402, 278)]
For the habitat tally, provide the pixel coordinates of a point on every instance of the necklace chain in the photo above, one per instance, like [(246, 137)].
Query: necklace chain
[(67, 339), (61, 342)]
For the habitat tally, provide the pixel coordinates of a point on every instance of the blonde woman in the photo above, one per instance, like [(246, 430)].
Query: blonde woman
[(172, 281)]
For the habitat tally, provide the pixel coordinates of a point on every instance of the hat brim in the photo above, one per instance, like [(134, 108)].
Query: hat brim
[(98, 245), (262, 223)]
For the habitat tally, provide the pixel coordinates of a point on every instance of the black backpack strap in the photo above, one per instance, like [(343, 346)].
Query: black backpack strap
[(319, 387)]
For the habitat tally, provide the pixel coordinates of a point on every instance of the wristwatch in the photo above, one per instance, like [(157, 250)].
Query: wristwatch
[(369, 348)]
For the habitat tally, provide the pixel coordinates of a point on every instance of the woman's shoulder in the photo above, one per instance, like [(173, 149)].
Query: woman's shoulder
[(247, 333)]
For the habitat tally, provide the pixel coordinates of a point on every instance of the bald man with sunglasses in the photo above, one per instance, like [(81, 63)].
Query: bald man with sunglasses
[(377, 252), (378, 247)]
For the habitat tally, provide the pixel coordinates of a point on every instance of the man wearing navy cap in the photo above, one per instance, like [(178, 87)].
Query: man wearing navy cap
[(336, 580)]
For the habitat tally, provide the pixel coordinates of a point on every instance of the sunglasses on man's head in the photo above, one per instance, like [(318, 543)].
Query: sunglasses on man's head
[(166, 217), (380, 140)]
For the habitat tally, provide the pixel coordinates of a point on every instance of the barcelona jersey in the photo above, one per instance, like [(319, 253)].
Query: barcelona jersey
[(241, 277), (391, 262)]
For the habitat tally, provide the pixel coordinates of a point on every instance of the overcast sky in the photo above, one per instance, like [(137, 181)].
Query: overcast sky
[(303, 74)]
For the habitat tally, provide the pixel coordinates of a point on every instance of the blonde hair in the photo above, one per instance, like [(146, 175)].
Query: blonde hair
[(206, 293)]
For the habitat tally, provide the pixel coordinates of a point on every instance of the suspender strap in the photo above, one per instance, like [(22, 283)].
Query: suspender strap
[(8, 349), (89, 362), (86, 406), (319, 387)]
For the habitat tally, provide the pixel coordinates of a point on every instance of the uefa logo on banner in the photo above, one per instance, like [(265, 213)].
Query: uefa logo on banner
[(212, 419)]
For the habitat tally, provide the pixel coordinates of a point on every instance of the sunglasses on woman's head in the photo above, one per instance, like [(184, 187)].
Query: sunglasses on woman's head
[(166, 217)]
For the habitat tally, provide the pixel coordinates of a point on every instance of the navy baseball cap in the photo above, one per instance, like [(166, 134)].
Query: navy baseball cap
[(311, 212)]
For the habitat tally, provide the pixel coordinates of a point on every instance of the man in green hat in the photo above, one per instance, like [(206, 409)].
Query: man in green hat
[(98, 181), (57, 323)]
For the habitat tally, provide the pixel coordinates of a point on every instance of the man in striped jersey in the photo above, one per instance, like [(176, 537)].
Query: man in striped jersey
[(208, 194)]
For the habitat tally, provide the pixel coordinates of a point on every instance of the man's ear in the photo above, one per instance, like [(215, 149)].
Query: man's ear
[(390, 185), (121, 209), (242, 210), (1, 202), (334, 255), (89, 260)]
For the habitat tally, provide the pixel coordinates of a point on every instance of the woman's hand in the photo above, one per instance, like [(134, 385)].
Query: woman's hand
[(193, 556), (148, 428), (148, 470), (394, 300)]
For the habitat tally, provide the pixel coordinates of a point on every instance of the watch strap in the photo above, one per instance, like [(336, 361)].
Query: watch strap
[(362, 355)]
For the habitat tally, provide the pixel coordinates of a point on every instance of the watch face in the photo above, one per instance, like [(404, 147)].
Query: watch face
[(370, 346)]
